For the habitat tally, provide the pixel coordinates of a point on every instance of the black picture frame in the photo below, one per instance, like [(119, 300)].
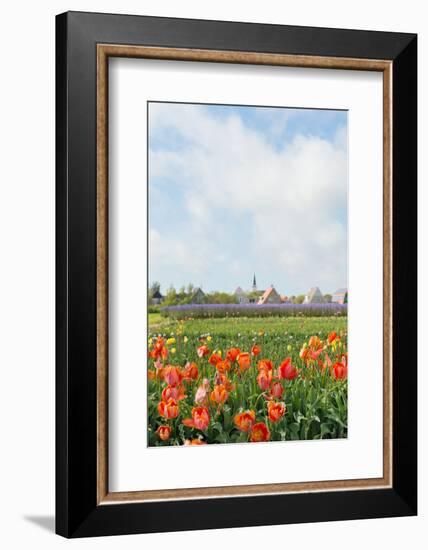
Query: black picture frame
[(77, 511)]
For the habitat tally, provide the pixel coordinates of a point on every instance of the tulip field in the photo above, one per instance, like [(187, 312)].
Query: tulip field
[(236, 380)]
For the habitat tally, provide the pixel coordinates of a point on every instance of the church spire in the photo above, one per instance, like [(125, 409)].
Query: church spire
[(254, 282)]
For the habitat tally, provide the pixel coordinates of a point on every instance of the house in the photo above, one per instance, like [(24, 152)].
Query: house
[(157, 298), (241, 296), (198, 296), (340, 296), (314, 296), (269, 296)]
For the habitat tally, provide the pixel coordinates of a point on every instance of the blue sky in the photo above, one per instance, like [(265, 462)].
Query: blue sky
[(240, 190)]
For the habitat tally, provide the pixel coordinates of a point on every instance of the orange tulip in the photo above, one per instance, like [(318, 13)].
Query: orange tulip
[(244, 361), (223, 366), (168, 409), (151, 374), (340, 371), (172, 375), (214, 359), (164, 432), (244, 421), (232, 354), (173, 392), (202, 351), (255, 350), (275, 411), (159, 350), (265, 364), (286, 370), (200, 418), (314, 342), (259, 432), (192, 442), (222, 379), (333, 337), (264, 379), (276, 390), (315, 346), (190, 371), (219, 394), (305, 353)]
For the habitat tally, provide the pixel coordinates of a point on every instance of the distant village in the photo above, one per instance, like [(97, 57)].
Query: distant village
[(195, 295)]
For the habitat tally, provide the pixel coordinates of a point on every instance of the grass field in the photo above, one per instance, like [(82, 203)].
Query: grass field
[(299, 380)]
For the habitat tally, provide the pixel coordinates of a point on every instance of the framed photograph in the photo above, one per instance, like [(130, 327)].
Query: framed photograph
[(236, 274)]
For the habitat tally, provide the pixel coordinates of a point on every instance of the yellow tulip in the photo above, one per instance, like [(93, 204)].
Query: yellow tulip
[(170, 341), (173, 350)]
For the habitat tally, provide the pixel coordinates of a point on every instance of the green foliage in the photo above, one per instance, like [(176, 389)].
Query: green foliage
[(220, 298)]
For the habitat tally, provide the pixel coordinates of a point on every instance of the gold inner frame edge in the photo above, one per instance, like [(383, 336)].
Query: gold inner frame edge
[(104, 51)]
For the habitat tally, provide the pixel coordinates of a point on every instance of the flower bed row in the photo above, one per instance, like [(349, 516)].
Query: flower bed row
[(234, 395), (198, 311)]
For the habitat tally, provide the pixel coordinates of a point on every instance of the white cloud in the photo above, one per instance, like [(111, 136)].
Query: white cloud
[(294, 199)]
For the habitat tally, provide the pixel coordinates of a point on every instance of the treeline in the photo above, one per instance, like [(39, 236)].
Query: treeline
[(188, 295)]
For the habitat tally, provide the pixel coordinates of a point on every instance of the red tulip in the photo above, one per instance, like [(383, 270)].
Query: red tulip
[(255, 350), (286, 370), (333, 337), (214, 359), (264, 379), (232, 354), (340, 371), (202, 351), (275, 411), (259, 432), (276, 390), (200, 418)]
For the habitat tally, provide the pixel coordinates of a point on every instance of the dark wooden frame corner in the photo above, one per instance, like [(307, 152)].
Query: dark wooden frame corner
[(84, 43)]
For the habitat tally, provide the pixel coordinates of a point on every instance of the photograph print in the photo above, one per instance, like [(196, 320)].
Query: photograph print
[(247, 274)]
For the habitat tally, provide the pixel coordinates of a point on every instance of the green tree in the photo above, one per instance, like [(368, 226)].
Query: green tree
[(171, 297), (220, 298), (190, 289), (153, 289)]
